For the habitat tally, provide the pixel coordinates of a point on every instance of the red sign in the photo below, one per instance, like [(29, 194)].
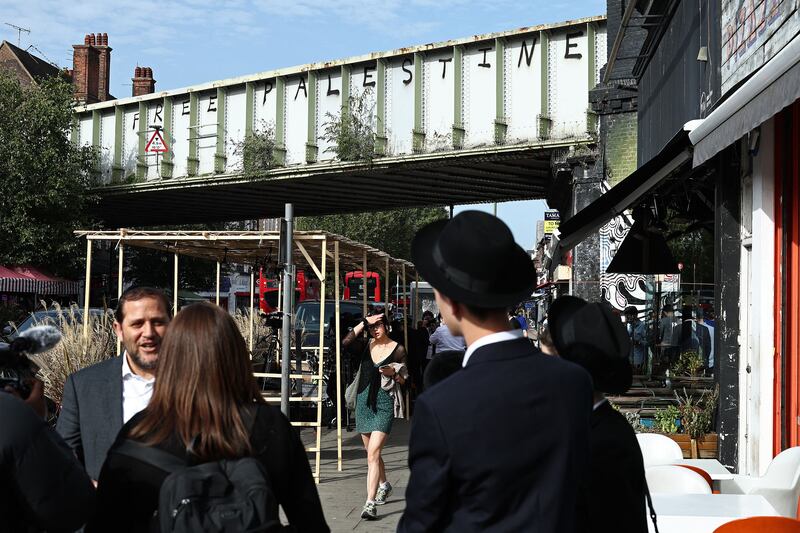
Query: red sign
[(156, 143)]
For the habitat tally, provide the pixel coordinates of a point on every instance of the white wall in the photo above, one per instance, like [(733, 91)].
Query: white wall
[(235, 118), (107, 130), (207, 131), (755, 449), (328, 106), (399, 105), (524, 93), (479, 94), (296, 120), (438, 94), (178, 142)]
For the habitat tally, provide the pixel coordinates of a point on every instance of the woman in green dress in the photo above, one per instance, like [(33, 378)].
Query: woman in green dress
[(374, 405)]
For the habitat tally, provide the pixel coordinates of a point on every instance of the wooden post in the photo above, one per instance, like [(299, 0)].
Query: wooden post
[(218, 276), (175, 291), (364, 282), (338, 357), (321, 360), (119, 286), (386, 291), (87, 289), (252, 310)]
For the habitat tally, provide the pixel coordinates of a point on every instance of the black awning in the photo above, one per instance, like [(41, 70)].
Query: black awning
[(676, 155)]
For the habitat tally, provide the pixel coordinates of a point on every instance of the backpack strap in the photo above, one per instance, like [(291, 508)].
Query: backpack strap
[(151, 455)]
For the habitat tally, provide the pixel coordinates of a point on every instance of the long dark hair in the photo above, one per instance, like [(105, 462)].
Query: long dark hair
[(204, 379)]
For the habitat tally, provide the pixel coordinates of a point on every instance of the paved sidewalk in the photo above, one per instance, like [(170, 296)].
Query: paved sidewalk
[(343, 493)]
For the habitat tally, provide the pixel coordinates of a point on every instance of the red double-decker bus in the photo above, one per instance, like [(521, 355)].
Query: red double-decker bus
[(354, 284), (306, 288)]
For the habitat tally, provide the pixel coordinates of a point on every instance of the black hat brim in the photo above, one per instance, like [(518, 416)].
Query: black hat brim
[(422, 254)]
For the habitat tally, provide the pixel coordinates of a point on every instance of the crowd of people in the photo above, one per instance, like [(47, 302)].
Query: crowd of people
[(175, 436)]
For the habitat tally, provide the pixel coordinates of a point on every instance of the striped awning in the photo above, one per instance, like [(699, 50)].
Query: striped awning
[(29, 280)]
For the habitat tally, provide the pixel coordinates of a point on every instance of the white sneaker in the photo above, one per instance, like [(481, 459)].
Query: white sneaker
[(383, 494), (370, 512)]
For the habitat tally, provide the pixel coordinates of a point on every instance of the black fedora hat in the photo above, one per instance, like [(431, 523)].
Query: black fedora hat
[(590, 335), (473, 259)]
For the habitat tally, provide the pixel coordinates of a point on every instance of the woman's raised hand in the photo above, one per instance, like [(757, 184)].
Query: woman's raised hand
[(374, 319)]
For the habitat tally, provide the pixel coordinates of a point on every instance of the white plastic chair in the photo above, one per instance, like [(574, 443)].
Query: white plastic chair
[(658, 449), (671, 479), (780, 485)]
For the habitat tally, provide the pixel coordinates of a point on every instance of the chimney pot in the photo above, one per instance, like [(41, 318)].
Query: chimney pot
[(87, 40), (149, 73), (137, 73)]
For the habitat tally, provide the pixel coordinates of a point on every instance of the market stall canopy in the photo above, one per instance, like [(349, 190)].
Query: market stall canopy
[(251, 247), (30, 280)]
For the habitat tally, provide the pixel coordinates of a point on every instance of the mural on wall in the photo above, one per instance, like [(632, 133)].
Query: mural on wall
[(638, 290), (752, 32)]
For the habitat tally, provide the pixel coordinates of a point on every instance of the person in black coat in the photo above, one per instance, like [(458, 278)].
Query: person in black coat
[(591, 336), (503, 443), (42, 485), (204, 390)]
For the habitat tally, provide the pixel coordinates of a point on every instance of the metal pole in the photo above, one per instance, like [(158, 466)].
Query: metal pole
[(175, 283), (405, 341), (386, 290), (119, 287), (218, 276), (364, 283), (288, 284), (87, 288), (338, 334), (252, 310)]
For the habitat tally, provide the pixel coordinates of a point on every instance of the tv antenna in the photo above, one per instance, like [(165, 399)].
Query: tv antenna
[(19, 29)]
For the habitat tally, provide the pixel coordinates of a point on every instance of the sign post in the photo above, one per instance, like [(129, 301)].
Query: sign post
[(156, 145)]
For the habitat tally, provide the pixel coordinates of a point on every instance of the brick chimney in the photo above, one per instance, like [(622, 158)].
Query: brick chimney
[(104, 68), (86, 69), (143, 82)]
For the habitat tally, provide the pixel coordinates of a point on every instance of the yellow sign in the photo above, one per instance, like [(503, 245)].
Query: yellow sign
[(550, 226)]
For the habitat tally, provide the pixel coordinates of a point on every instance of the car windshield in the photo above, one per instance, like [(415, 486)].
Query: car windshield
[(54, 318), (307, 315)]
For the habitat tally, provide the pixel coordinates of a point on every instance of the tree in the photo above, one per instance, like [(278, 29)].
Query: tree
[(44, 178), (156, 269), (389, 231)]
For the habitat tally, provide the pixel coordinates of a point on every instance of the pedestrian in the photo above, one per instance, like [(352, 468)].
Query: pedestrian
[(637, 335), (381, 372), (444, 341), (668, 334), (43, 487), (503, 443), (99, 399), (589, 334), (704, 319), (206, 406)]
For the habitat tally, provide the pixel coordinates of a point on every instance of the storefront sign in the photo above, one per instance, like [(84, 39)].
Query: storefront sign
[(551, 222)]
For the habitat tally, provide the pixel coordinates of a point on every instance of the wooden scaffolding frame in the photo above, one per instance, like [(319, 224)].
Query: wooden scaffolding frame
[(248, 248)]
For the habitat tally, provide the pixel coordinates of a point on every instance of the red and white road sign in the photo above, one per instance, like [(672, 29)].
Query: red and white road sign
[(156, 143)]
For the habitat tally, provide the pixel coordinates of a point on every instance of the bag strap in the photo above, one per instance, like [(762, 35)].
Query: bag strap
[(151, 455), (653, 516)]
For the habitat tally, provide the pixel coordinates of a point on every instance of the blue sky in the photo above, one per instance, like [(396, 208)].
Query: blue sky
[(187, 42)]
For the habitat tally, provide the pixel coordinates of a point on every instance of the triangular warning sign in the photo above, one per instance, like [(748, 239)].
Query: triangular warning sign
[(156, 143)]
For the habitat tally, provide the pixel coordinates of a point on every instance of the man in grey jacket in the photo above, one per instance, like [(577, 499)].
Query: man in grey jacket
[(99, 399)]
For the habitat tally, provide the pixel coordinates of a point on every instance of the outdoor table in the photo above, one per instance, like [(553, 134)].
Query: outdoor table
[(714, 468), (703, 513)]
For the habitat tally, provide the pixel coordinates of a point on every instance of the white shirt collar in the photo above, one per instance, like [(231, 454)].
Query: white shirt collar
[(598, 404), (127, 373), (492, 338)]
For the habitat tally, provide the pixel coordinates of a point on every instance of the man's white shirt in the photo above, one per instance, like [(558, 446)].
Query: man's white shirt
[(136, 391), (492, 338)]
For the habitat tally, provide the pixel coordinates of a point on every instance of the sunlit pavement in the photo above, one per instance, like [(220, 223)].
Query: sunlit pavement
[(343, 493)]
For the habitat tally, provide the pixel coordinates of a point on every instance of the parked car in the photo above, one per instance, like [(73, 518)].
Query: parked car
[(51, 316), (306, 321)]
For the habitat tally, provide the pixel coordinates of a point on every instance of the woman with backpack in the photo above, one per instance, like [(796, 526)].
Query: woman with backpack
[(207, 454)]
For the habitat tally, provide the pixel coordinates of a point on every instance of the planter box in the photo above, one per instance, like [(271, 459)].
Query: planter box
[(706, 448)]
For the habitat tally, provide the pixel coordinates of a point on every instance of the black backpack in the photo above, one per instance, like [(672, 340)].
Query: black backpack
[(233, 495)]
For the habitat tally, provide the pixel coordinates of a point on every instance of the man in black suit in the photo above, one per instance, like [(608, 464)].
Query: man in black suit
[(99, 399), (591, 336), (502, 444)]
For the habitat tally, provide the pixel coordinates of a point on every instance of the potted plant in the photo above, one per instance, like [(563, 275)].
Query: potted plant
[(697, 415)]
